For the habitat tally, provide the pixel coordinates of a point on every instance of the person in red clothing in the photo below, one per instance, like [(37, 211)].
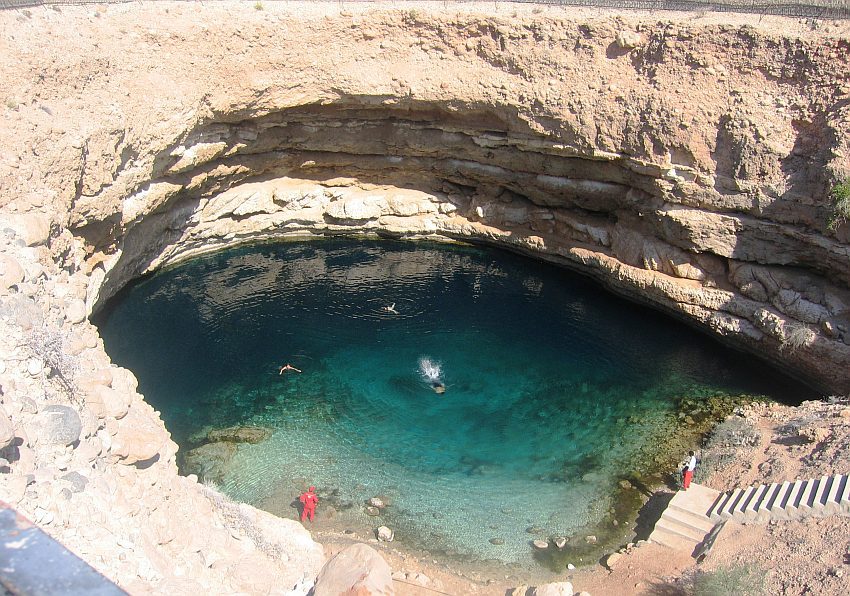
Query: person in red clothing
[(688, 470), (309, 500)]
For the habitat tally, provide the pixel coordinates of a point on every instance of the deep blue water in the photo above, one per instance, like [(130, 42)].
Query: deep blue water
[(552, 384)]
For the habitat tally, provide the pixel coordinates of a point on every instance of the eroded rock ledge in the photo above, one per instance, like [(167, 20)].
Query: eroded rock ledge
[(683, 163)]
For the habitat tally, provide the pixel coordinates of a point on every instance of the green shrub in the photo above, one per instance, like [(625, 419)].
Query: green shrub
[(741, 580), (258, 6), (840, 195)]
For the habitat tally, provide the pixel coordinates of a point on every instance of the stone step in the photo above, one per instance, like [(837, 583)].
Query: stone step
[(664, 537), (718, 506), (692, 521), (760, 495), (732, 503), (792, 508), (673, 528), (779, 501), (832, 504), (843, 497), (742, 507)]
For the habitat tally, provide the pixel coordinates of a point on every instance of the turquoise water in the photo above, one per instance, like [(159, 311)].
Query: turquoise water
[(552, 385)]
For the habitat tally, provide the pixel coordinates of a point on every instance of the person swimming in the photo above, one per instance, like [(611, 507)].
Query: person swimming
[(287, 367), (391, 308), (431, 373)]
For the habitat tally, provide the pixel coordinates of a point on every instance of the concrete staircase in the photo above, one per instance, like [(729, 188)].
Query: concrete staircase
[(822, 496), (692, 514), (685, 522)]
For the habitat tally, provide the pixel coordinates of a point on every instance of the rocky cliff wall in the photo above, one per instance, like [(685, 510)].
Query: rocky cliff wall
[(684, 161)]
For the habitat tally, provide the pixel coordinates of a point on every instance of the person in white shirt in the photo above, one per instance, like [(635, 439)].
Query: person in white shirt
[(688, 470)]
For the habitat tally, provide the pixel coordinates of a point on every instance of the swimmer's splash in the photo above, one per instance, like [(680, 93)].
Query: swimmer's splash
[(431, 372)]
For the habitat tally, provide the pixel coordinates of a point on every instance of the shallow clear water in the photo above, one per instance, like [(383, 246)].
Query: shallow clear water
[(552, 385)]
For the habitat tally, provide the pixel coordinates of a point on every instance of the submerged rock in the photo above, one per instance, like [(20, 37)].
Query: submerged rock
[(209, 461), (385, 534), (540, 544), (239, 434), (497, 541)]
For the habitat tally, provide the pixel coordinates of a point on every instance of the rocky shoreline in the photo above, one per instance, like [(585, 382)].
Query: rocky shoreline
[(684, 161)]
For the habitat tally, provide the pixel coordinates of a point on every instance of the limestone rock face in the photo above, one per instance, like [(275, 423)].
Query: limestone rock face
[(358, 570)]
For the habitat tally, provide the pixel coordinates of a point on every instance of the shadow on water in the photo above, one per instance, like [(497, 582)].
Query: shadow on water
[(650, 513)]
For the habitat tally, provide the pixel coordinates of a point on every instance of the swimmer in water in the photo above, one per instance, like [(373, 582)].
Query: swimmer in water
[(286, 367), (438, 387), (391, 308)]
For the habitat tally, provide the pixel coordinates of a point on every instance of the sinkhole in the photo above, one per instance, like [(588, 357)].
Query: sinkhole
[(561, 401)]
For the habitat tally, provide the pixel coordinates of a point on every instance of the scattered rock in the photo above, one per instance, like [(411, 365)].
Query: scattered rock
[(372, 511), (554, 589), (497, 541), (560, 542), (76, 312), (540, 544), (11, 272), (612, 559), (379, 502), (590, 539), (628, 40), (58, 425), (814, 434), (77, 481), (384, 534)]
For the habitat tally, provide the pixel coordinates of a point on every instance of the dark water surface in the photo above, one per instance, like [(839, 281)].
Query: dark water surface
[(552, 385)]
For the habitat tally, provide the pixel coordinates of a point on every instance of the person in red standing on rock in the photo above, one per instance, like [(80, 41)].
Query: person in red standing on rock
[(309, 500), (689, 468)]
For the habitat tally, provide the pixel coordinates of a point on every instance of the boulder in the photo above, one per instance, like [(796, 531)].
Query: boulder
[(554, 589), (57, 425), (611, 560), (138, 438), (358, 570), (11, 272), (540, 544), (560, 542), (385, 534), (76, 311), (104, 402), (628, 40), (32, 228), (378, 502), (497, 541)]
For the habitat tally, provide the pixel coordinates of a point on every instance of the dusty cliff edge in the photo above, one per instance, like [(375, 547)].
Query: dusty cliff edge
[(682, 160)]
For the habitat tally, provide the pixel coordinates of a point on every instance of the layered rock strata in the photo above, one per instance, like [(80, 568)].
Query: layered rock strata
[(683, 162)]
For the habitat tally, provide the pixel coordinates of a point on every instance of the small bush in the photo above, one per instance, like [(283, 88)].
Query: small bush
[(840, 195), (258, 6), (49, 345), (796, 337), (735, 432), (741, 580)]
